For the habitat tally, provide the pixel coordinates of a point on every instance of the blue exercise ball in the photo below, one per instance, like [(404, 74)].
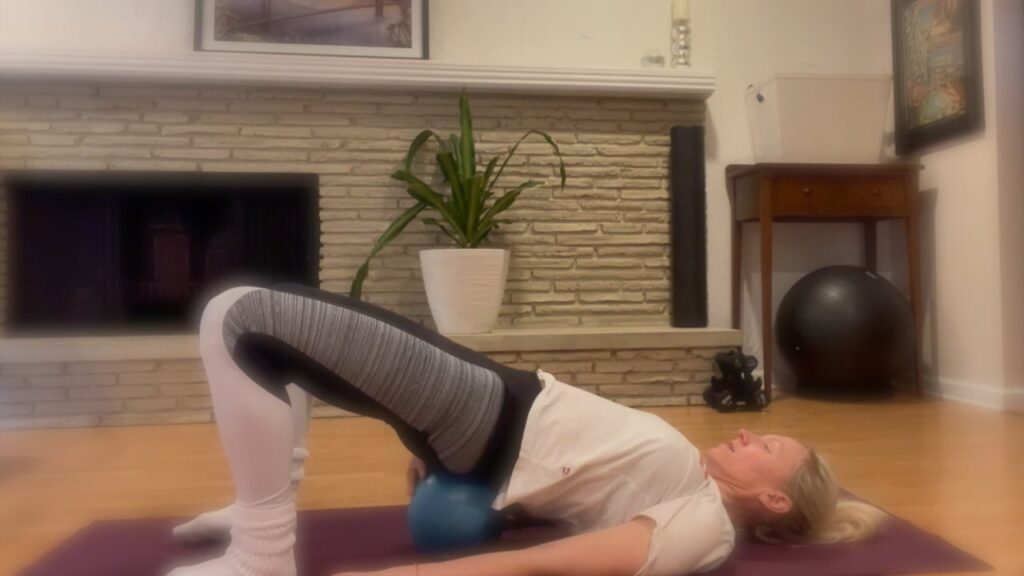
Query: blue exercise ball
[(450, 512), (844, 329)]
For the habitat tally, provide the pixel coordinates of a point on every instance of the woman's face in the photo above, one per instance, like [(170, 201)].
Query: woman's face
[(755, 463)]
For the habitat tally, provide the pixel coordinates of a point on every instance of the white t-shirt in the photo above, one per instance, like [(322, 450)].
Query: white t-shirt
[(593, 464)]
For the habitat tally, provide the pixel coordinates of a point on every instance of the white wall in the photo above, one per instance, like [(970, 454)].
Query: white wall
[(1008, 31), (584, 33), (96, 26), (975, 273)]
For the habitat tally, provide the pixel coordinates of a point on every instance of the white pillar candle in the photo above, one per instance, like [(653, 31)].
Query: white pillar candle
[(680, 9)]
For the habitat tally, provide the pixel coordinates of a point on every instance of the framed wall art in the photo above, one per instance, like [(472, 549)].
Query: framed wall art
[(937, 71), (367, 28)]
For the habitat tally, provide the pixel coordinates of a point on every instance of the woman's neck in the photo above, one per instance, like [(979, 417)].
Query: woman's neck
[(734, 502)]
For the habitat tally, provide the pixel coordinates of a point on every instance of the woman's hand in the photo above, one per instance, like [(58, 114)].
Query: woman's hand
[(415, 474)]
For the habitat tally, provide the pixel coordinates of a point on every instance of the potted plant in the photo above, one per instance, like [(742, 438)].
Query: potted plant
[(464, 284)]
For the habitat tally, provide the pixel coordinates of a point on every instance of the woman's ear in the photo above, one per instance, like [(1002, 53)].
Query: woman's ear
[(775, 501)]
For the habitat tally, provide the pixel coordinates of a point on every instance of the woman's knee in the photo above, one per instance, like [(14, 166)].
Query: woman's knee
[(211, 324)]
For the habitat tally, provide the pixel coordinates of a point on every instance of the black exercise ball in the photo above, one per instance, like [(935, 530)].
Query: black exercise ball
[(845, 329)]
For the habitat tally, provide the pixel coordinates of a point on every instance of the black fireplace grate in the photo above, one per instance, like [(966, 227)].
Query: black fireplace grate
[(130, 252)]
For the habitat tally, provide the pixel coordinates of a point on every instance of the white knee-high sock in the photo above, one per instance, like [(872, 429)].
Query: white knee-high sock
[(216, 524), (257, 432), (262, 544)]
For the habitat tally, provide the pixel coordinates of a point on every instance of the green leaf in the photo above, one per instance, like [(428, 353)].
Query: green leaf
[(443, 228), (494, 226), (487, 174), (499, 206), (561, 162), (451, 174), (505, 202), (467, 154), (422, 192), (417, 143), (446, 161), (392, 231), (476, 204), (419, 190), (456, 150), (512, 152)]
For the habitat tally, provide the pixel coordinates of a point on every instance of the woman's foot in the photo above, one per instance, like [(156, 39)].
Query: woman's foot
[(262, 544), (216, 524), (213, 525)]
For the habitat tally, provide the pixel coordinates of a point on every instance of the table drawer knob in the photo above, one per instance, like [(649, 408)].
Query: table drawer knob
[(876, 192), (807, 190)]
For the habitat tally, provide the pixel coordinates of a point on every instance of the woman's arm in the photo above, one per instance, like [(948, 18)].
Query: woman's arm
[(617, 551)]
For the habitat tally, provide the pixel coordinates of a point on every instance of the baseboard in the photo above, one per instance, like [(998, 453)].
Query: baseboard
[(1015, 400), (991, 397)]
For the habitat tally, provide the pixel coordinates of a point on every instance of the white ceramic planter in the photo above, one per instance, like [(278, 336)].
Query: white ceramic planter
[(464, 287)]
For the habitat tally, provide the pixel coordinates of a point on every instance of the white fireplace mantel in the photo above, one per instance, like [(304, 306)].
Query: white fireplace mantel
[(374, 73)]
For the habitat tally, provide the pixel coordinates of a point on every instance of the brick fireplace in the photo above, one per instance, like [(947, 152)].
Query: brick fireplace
[(590, 263)]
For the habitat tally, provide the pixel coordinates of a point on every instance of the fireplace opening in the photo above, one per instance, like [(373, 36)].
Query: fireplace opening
[(136, 252)]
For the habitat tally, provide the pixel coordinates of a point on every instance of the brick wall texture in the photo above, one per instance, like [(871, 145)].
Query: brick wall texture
[(593, 253), (75, 394)]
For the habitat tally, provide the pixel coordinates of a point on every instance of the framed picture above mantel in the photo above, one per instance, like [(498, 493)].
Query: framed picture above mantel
[(937, 71), (360, 28)]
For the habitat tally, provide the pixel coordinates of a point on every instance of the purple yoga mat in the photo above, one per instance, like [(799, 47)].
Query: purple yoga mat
[(330, 541)]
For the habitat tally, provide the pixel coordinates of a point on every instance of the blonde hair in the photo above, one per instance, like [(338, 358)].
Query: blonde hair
[(818, 515)]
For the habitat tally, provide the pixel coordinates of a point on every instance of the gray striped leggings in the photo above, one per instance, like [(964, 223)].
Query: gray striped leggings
[(451, 406)]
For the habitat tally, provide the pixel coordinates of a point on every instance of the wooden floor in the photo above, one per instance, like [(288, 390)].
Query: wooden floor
[(951, 469)]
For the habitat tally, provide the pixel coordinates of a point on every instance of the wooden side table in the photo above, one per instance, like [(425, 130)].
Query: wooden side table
[(866, 193)]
